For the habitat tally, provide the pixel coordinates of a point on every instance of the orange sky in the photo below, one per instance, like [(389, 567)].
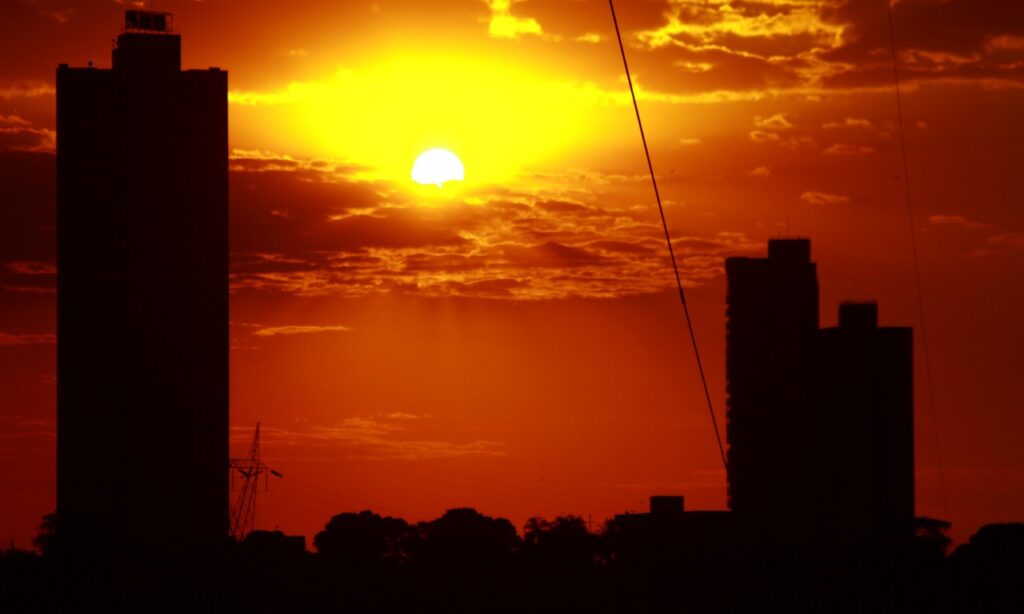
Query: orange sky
[(513, 342)]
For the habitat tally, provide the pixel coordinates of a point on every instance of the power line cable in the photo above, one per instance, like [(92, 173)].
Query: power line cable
[(929, 394), (668, 241)]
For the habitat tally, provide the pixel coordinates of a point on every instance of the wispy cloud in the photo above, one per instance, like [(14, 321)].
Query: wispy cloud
[(958, 220), (24, 89), (848, 122), (773, 122), (30, 267), (846, 149), (274, 331), (824, 198), (835, 45), (503, 24), (1011, 240), (371, 438), (27, 138), (26, 339), (312, 232)]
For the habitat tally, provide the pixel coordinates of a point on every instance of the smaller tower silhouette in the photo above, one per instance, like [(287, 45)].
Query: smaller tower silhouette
[(866, 397)]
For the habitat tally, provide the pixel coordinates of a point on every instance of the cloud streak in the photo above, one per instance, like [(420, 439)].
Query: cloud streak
[(824, 198), (9, 339), (371, 438), (275, 331), (314, 232)]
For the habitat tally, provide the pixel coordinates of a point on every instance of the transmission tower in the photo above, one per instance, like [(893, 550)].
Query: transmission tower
[(243, 512)]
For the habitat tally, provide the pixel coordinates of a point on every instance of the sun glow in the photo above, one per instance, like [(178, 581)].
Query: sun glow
[(436, 166), (503, 117)]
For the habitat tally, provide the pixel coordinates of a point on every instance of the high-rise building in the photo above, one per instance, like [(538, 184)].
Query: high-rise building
[(142, 353), (820, 422), (772, 312), (865, 394)]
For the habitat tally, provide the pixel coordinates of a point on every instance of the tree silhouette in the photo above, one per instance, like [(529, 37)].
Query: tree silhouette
[(363, 539), (989, 569), (463, 538), (562, 544)]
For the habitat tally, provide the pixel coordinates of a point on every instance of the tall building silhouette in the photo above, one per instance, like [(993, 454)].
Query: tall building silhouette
[(865, 396), (772, 320), (142, 353), (820, 422)]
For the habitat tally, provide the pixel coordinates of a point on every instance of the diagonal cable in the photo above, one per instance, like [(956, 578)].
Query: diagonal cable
[(930, 398), (668, 241)]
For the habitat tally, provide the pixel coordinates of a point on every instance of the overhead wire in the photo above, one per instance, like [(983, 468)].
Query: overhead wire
[(668, 241), (929, 386)]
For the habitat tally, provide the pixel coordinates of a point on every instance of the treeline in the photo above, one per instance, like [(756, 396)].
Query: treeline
[(465, 561)]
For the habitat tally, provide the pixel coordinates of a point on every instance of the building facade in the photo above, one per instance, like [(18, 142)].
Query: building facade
[(142, 353)]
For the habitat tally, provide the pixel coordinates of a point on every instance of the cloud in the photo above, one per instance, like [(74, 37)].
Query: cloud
[(823, 198), (849, 122), (1011, 240), (20, 435), (274, 331), (774, 122), (313, 231), (13, 120), (761, 171), (405, 416), (25, 89), (19, 134), (793, 47), (590, 37), (27, 138), (503, 24), (760, 136), (28, 218), (310, 227), (376, 438), (26, 339), (957, 220), (31, 268), (846, 149)]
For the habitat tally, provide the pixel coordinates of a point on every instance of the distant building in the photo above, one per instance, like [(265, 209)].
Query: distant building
[(142, 441), (820, 422)]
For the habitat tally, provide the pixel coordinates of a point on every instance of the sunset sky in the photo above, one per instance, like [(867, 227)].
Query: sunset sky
[(513, 342)]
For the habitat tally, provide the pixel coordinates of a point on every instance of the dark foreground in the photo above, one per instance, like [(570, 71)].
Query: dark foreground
[(467, 562)]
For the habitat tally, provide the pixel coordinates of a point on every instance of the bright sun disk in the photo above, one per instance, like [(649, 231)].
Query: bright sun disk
[(436, 166)]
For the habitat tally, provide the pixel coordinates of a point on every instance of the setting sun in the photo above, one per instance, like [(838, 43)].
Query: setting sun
[(436, 166)]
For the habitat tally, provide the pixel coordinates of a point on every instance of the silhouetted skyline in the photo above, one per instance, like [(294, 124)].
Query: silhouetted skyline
[(417, 349)]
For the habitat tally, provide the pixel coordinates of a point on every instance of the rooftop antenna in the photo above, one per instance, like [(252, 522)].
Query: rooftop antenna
[(243, 512)]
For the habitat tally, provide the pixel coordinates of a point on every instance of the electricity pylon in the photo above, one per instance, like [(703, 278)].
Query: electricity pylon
[(243, 512)]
